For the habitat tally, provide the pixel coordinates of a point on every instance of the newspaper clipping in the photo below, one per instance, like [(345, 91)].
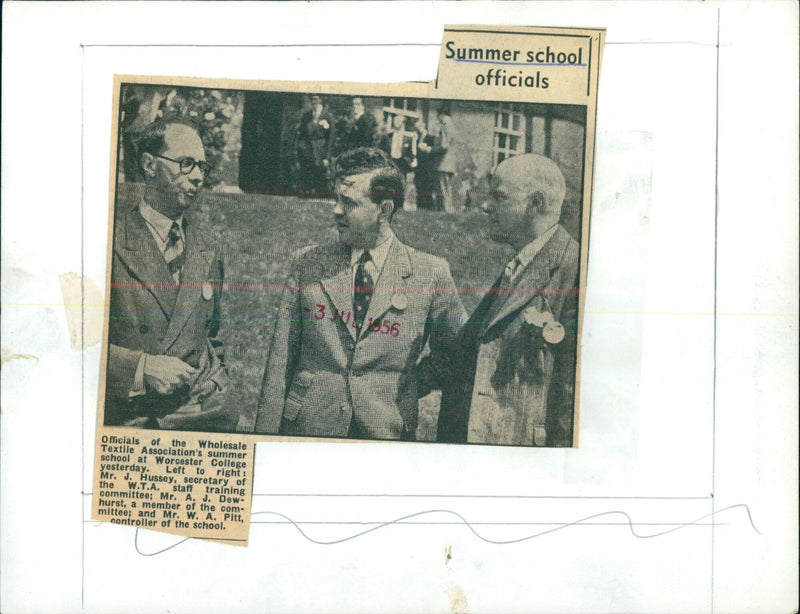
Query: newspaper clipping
[(341, 261)]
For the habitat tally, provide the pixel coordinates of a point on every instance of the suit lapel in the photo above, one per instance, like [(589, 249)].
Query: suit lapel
[(197, 261), (140, 254), (392, 280), (533, 280), (337, 282), (479, 320)]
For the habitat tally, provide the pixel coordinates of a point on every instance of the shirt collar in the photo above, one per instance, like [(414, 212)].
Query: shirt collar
[(159, 222), (378, 253), (528, 252)]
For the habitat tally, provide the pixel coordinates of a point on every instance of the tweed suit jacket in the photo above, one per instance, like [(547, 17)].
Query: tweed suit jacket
[(321, 376), (507, 384), (149, 313)]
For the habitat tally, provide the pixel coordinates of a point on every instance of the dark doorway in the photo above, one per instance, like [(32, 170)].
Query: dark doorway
[(260, 168)]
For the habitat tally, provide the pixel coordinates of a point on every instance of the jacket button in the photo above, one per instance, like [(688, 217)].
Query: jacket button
[(144, 329), (351, 346)]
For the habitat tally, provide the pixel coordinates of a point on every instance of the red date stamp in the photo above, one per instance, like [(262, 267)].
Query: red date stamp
[(383, 327)]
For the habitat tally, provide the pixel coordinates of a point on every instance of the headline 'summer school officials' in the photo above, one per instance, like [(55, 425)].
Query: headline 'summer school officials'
[(162, 369), (355, 317), (512, 378)]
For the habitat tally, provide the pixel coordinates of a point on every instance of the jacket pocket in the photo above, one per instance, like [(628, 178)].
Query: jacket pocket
[(294, 400)]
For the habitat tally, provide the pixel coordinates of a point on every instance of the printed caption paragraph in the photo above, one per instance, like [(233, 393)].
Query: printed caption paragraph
[(176, 483)]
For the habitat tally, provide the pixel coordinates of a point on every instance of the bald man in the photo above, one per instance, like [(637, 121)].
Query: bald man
[(512, 375), (163, 369)]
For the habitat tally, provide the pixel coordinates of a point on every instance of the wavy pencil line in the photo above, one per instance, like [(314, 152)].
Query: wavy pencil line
[(560, 527)]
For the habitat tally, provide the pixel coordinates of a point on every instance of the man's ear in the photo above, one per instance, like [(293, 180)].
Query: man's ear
[(148, 161), (536, 203), (387, 207)]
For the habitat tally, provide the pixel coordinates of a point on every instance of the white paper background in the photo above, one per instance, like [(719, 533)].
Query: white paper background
[(677, 404)]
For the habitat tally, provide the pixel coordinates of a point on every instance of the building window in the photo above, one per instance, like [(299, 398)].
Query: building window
[(409, 108), (509, 131)]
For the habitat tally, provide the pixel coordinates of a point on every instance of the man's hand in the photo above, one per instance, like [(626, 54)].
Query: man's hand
[(164, 374)]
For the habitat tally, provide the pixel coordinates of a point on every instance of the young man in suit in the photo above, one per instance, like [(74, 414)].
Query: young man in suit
[(512, 376), (166, 276), (355, 316)]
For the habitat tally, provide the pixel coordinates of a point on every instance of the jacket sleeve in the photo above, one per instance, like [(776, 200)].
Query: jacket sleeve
[(561, 393), (281, 358), (120, 371), (446, 316)]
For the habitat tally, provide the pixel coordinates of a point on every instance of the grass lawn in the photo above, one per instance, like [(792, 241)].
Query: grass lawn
[(260, 232)]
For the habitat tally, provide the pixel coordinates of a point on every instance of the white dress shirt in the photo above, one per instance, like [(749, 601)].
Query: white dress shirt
[(374, 266), (159, 226), (528, 253)]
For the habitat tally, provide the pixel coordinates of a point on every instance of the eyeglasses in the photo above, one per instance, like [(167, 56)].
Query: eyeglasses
[(188, 163)]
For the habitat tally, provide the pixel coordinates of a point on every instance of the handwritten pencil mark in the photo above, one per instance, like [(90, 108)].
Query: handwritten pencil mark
[(170, 547), (628, 519)]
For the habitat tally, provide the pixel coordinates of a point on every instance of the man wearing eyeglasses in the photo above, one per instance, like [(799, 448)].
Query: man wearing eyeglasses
[(163, 368)]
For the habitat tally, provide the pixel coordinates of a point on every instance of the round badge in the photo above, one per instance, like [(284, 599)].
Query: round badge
[(208, 291), (399, 301), (553, 332), (536, 317)]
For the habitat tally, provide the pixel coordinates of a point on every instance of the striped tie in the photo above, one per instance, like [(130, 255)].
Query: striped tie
[(362, 293), (173, 252)]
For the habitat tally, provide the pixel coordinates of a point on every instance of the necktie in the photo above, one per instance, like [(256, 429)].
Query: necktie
[(362, 292), (173, 252)]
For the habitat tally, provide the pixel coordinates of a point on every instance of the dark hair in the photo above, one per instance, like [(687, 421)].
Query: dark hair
[(387, 182), (151, 138)]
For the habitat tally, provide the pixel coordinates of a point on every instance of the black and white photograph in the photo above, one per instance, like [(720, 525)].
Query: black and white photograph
[(334, 265), (399, 307)]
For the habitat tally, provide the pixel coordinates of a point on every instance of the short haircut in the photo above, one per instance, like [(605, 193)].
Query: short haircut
[(387, 182), (532, 173), (151, 138)]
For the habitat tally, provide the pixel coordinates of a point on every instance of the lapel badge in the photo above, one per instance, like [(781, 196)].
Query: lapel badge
[(537, 318), (399, 301), (553, 332), (207, 291)]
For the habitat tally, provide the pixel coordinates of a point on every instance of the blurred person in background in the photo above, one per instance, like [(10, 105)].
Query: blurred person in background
[(363, 128), (401, 145), (424, 173), (448, 144), (313, 148)]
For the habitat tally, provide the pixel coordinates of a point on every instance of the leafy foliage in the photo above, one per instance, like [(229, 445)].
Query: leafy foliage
[(211, 112)]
